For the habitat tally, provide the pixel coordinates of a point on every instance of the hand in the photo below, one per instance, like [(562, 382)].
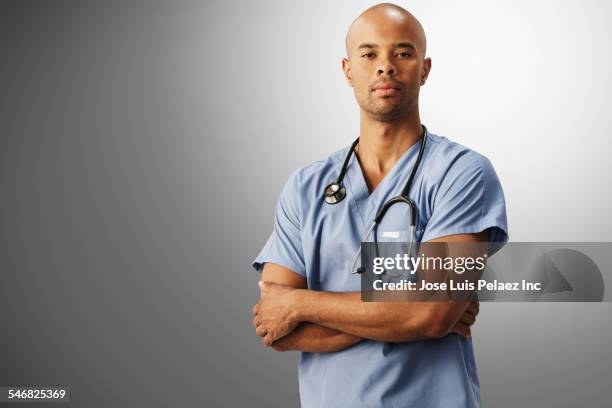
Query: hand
[(274, 315), (468, 318)]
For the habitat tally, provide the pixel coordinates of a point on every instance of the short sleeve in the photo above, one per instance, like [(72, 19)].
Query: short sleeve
[(469, 200), (284, 246)]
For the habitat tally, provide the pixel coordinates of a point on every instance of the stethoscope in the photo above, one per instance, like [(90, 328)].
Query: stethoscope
[(336, 192)]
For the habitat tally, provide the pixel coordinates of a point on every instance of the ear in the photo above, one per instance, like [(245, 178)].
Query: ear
[(346, 68), (426, 69)]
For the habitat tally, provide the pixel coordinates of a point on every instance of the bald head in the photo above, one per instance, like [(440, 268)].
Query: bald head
[(385, 62), (380, 16)]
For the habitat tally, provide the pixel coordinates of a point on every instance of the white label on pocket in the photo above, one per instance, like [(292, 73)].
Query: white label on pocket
[(391, 234)]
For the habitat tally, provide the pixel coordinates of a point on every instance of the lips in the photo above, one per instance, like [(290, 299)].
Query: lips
[(386, 85), (387, 89)]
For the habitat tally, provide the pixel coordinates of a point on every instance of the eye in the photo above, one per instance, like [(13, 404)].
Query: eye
[(368, 55), (404, 54)]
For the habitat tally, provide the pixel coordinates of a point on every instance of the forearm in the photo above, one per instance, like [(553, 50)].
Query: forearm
[(310, 337), (380, 321)]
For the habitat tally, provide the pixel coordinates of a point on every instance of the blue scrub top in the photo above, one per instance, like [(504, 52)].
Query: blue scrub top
[(456, 191)]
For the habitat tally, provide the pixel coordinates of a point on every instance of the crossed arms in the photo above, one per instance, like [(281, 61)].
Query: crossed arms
[(291, 317)]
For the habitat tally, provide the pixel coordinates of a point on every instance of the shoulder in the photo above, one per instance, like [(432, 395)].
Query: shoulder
[(463, 193), (448, 160), (305, 186), (315, 175)]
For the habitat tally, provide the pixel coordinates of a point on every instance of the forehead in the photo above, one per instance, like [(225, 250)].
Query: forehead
[(384, 31)]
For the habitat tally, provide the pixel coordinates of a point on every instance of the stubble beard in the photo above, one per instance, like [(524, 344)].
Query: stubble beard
[(385, 112)]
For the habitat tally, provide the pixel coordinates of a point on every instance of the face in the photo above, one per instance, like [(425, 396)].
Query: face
[(386, 65)]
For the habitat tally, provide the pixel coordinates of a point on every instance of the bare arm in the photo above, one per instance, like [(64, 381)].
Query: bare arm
[(345, 312), (312, 337), (388, 321), (306, 336)]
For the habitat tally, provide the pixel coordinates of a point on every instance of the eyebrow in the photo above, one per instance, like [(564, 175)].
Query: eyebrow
[(403, 44)]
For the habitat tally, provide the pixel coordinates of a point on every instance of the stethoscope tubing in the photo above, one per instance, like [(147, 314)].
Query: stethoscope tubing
[(336, 192)]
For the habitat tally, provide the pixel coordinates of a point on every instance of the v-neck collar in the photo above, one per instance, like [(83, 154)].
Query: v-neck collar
[(367, 203)]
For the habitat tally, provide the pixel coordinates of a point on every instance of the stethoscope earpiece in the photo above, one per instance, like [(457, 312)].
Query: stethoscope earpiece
[(334, 193)]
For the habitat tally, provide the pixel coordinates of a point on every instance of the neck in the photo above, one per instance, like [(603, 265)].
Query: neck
[(381, 144)]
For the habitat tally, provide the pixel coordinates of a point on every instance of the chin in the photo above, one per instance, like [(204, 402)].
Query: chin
[(388, 113)]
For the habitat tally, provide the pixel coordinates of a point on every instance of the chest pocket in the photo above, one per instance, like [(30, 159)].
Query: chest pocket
[(402, 235)]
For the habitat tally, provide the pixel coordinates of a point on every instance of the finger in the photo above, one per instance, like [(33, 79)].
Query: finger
[(261, 331), (471, 308), (462, 329), (268, 340), (469, 312), (255, 309), (470, 319), (467, 319)]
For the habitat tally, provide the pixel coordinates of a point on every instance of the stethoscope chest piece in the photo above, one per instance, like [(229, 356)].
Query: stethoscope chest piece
[(334, 193)]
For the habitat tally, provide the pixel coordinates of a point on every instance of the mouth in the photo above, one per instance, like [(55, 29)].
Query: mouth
[(386, 89)]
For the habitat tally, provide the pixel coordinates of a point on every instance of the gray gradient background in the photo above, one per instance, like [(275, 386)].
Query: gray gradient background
[(143, 147)]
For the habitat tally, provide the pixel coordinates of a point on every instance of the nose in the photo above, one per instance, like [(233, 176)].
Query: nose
[(386, 68)]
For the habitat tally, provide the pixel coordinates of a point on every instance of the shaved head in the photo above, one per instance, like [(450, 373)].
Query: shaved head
[(385, 62), (382, 14)]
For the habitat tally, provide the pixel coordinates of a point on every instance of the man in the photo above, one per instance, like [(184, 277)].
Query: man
[(377, 354)]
